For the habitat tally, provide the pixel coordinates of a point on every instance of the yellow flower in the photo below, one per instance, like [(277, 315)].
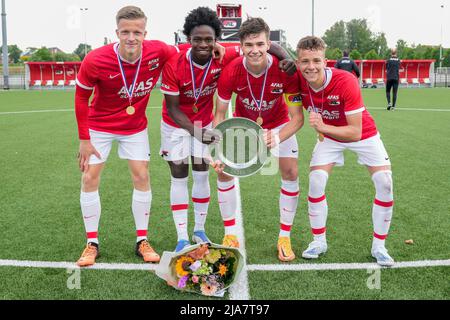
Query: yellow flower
[(182, 262), (222, 269)]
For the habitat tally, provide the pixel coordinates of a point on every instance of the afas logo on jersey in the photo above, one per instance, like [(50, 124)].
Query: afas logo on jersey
[(329, 115), (277, 88), (333, 100), (153, 64), (142, 88)]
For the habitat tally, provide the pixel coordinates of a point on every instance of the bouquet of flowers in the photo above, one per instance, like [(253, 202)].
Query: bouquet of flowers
[(207, 269)]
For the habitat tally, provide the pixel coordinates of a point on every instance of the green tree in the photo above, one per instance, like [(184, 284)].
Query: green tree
[(380, 45), (336, 36), (355, 55), (359, 35), (401, 47), (446, 60), (80, 50), (372, 55), (333, 54), (61, 56), (43, 54), (14, 53)]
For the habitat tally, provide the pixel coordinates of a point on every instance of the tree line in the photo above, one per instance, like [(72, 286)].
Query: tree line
[(16, 55), (354, 36)]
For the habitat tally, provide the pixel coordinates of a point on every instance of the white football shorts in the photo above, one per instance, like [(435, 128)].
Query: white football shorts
[(177, 144), (371, 152), (131, 147), (286, 149)]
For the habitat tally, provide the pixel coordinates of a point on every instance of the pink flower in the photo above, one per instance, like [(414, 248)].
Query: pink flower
[(195, 279), (208, 290)]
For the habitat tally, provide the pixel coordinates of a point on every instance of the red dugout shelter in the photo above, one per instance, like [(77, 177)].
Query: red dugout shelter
[(52, 74), (413, 73)]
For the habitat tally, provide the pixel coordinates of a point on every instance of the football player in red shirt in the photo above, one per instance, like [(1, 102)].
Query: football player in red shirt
[(260, 86), (123, 75), (337, 112), (189, 82)]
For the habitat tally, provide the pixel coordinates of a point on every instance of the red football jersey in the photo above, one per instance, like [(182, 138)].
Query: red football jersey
[(100, 71), (177, 80), (274, 109), (340, 96)]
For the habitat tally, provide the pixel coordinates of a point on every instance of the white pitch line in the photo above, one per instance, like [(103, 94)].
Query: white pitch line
[(54, 110), (408, 109), (240, 290), (72, 265), (251, 267), (346, 266)]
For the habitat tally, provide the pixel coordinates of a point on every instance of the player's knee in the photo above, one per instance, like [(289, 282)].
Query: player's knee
[(141, 177), (317, 182), (383, 181), (290, 174), (222, 177), (90, 181), (179, 171)]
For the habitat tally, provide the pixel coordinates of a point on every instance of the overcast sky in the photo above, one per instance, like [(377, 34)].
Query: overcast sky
[(61, 23)]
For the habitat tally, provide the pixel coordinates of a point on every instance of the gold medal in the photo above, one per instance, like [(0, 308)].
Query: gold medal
[(259, 120), (195, 108), (131, 110)]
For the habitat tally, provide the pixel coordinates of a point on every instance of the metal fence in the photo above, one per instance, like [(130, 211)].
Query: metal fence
[(16, 77)]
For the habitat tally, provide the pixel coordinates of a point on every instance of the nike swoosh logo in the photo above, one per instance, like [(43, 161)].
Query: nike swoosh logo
[(240, 89), (182, 224), (112, 77), (387, 220), (284, 209), (294, 151), (203, 214), (386, 159), (186, 83), (88, 217), (313, 215), (147, 214), (224, 37)]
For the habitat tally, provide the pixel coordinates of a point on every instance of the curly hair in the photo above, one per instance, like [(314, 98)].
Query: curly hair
[(200, 17)]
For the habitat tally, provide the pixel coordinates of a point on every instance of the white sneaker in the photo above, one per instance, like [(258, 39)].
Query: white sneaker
[(315, 249), (382, 256)]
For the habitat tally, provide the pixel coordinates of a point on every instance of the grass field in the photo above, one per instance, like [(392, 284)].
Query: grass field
[(41, 220)]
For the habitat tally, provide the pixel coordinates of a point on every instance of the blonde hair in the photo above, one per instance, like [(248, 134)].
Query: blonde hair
[(130, 13)]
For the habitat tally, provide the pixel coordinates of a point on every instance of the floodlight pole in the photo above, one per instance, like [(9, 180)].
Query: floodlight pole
[(442, 37), (84, 10), (312, 28), (5, 49)]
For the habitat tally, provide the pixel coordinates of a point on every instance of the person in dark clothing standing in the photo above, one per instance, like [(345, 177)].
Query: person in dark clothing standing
[(345, 63), (392, 71)]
